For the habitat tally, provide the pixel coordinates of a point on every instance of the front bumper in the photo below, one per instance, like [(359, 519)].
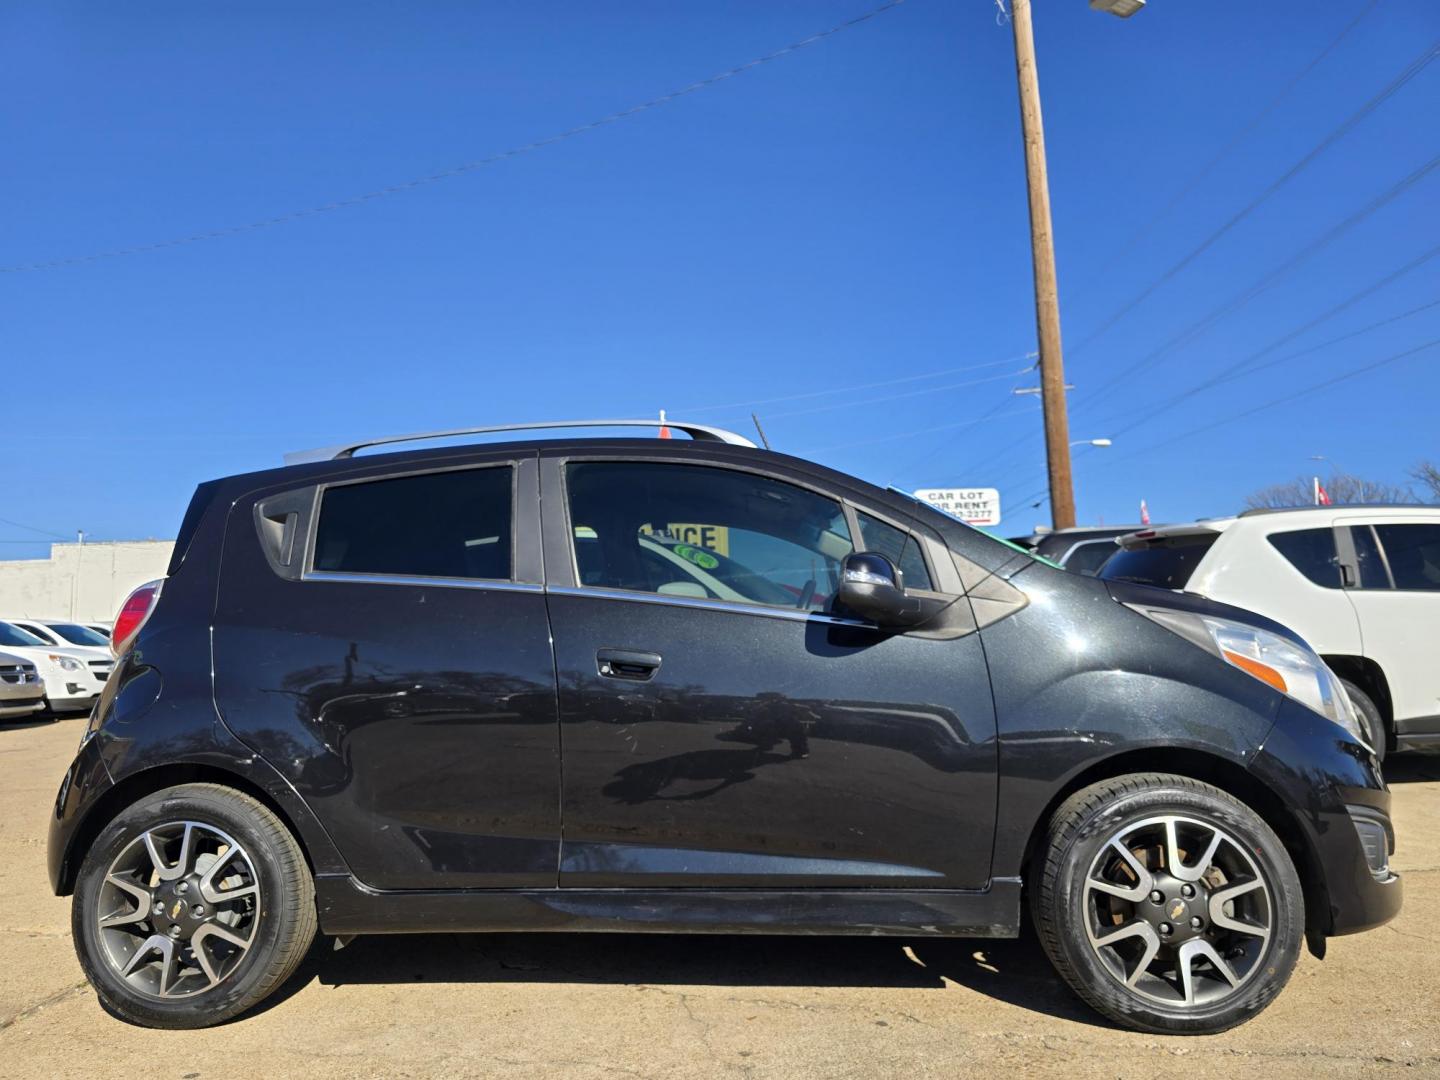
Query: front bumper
[(1334, 790), (18, 706)]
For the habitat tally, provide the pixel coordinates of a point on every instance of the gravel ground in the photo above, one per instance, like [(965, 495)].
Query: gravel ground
[(576, 1005)]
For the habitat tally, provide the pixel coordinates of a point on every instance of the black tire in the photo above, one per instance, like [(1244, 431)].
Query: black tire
[(1370, 719), (281, 925), (1081, 829)]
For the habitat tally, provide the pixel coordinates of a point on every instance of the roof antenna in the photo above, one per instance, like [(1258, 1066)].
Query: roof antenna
[(761, 430), (664, 431)]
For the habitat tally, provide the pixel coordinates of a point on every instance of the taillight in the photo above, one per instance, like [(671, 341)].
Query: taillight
[(132, 616)]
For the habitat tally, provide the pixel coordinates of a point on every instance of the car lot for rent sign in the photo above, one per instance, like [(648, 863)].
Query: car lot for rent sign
[(974, 506)]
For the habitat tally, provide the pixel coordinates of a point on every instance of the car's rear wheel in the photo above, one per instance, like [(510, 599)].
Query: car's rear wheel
[(1167, 905), (1370, 718), (193, 905)]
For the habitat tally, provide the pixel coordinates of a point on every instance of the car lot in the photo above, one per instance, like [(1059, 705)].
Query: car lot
[(630, 1005)]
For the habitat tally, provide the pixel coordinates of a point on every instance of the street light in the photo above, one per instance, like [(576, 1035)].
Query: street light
[(1121, 8), (1091, 442)]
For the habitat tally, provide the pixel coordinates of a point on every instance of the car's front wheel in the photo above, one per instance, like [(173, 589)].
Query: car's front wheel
[(191, 906), (1167, 905)]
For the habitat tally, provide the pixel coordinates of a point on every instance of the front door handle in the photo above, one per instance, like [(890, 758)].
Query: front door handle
[(627, 664)]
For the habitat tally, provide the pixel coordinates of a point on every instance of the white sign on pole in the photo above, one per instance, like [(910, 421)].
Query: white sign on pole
[(974, 506)]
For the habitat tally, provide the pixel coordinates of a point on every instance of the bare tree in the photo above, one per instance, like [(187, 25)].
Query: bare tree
[(1341, 487), (1427, 475)]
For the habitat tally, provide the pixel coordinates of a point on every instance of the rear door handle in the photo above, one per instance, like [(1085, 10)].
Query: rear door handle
[(627, 664)]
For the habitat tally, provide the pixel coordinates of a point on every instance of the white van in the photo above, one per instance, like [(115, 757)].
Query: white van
[(1361, 584)]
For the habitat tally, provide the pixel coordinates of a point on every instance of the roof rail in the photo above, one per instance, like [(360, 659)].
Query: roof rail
[(1256, 511), (698, 432)]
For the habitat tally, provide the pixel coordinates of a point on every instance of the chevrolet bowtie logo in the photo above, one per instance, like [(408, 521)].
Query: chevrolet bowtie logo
[(175, 911), (1177, 909)]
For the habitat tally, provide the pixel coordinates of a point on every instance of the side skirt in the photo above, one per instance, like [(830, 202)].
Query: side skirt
[(348, 907)]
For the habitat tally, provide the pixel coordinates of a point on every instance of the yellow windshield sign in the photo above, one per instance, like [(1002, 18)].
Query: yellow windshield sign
[(714, 538)]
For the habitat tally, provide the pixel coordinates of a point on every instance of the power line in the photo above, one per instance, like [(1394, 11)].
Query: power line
[(910, 434), (466, 167), (1269, 280), (1234, 141), (896, 397), (1285, 399), (851, 387), (1336, 134), (33, 528), (1247, 366)]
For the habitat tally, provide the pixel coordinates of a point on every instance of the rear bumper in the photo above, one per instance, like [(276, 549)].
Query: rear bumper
[(85, 781), (1335, 792)]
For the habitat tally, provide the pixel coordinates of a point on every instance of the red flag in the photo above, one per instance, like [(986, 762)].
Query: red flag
[(664, 431), (1322, 497), (1144, 513)]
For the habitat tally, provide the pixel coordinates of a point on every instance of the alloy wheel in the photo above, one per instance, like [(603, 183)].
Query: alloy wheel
[(178, 909), (1178, 911)]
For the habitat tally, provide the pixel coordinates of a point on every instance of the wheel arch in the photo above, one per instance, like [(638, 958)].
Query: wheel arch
[(1230, 777), (1370, 677), (137, 785)]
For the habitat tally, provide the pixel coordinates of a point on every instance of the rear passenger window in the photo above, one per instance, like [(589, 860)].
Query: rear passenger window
[(1413, 552), (898, 546), (447, 525), (1312, 552)]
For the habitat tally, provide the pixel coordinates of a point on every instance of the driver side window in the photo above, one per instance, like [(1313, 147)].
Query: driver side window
[(702, 532)]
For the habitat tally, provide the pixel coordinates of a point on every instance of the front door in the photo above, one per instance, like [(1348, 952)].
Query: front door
[(720, 726), (383, 642)]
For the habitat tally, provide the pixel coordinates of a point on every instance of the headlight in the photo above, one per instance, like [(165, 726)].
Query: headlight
[(1277, 661), (67, 663)]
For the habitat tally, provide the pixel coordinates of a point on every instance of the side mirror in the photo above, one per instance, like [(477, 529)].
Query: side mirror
[(871, 587)]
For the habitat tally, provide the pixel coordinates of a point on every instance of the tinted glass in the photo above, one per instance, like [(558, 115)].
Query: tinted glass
[(45, 635), (1088, 558), (450, 524), (1413, 552), (13, 635), (1312, 552), (1167, 564), (689, 530), (898, 546), (1367, 554), (76, 634)]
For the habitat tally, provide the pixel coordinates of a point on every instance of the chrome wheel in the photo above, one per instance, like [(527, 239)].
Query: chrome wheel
[(178, 909), (1178, 911)]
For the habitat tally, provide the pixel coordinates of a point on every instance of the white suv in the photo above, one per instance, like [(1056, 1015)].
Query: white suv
[(1361, 584)]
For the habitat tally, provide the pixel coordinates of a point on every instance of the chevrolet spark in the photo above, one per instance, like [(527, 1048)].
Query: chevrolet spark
[(691, 685)]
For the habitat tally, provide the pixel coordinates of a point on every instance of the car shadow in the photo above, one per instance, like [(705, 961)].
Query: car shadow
[(1013, 971), (1412, 766)]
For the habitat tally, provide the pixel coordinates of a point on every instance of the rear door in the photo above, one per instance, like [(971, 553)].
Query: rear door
[(722, 725), (382, 640)]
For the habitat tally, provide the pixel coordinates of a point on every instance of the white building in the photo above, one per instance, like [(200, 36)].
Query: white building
[(84, 582)]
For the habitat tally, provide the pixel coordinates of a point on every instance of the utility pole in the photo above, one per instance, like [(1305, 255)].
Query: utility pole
[(1042, 252)]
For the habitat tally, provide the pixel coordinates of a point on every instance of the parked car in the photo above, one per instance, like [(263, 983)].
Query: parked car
[(1081, 550), (1360, 584), (22, 693), (67, 633), (101, 629), (791, 702), (73, 676)]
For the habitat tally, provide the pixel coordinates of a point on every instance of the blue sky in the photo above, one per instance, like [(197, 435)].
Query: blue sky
[(849, 215)]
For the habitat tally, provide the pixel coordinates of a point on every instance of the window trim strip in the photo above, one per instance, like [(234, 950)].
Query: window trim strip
[(494, 584), (706, 604)]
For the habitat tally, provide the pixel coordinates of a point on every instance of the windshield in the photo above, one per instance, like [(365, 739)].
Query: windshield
[(13, 635), (1165, 562), (76, 634)]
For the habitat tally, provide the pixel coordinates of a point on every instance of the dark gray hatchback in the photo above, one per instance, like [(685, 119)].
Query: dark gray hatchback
[(691, 685)]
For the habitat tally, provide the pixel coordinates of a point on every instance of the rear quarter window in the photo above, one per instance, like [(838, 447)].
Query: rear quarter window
[(1166, 562), (1312, 552)]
